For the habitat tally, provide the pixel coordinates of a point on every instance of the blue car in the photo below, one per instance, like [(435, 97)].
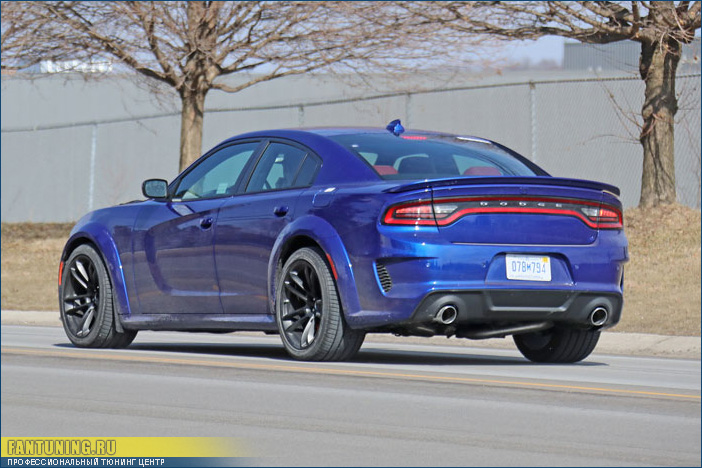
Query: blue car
[(325, 235)]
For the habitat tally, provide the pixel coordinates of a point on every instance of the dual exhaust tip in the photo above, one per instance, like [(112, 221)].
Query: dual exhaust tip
[(449, 313)]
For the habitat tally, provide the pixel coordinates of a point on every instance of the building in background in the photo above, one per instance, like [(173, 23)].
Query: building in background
[(621, 56), (69, 66)]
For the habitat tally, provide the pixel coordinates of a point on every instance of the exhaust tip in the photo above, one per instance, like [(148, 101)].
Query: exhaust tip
[(598, 316), (447, 314)]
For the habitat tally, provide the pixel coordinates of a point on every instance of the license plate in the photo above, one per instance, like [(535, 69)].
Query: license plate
[(528, 267)]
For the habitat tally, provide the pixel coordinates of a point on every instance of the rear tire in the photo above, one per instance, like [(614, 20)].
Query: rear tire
[(86, 306), (557, 345), (308, 312)]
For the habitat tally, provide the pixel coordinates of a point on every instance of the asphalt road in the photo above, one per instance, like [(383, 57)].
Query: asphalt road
[(395, 404)]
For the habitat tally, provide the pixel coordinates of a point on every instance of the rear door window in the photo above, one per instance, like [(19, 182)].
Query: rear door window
[(282, 166)]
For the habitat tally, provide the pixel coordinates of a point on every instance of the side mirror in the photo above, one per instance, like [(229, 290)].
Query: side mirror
[(155, 188)]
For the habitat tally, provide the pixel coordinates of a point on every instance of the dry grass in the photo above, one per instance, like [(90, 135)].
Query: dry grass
[(662, 280), (30, 260)]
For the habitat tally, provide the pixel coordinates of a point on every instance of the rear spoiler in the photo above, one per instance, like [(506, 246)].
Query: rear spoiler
[(535, 180)]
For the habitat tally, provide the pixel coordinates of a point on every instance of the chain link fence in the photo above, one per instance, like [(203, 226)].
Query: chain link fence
[(579, 128)]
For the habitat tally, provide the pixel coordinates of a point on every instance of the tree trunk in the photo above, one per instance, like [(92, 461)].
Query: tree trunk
[(191, 120), (659, 62)]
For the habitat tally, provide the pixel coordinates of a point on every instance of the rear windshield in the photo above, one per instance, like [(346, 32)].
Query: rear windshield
[(432, 157)]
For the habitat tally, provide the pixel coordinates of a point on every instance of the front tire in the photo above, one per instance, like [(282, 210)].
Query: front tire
[(308, 313), (86, 302), (557, 345)]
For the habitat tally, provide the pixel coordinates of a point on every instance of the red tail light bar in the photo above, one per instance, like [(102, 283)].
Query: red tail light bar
[(445, 211)]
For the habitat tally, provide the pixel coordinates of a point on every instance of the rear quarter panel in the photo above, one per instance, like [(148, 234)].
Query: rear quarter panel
[(345, 223)]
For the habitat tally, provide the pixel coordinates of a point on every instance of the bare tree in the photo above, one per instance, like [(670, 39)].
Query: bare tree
[(18, 28), (660, 27), (190, 46)]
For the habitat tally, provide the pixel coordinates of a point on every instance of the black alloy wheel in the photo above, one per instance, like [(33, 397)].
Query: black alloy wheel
[(302, 304), (81, 296), (308, 312), (86, 302)]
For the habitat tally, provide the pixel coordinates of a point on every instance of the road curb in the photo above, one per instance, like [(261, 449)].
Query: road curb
[(611, 342)]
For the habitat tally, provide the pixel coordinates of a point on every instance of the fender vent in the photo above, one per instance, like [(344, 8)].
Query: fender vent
[(383, 276)]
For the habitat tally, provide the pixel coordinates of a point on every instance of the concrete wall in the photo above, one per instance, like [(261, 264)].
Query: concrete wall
[(70, 145)]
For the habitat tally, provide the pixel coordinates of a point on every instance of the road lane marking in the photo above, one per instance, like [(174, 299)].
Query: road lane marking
[(88, 354)]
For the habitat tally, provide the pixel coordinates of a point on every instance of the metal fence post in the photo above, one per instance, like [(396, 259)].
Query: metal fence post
[(532, 103), (93, 151)]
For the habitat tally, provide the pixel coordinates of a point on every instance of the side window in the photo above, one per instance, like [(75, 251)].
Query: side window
[(217, 175), (307, 172), (279, 168)]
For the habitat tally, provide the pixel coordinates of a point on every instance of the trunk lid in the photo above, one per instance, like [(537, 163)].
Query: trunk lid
[(522, 211)]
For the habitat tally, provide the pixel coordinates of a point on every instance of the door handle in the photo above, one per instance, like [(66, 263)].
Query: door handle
[(205, 223), (280, 211)]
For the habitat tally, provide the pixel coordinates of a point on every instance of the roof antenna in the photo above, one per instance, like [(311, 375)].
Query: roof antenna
[(395, 127)]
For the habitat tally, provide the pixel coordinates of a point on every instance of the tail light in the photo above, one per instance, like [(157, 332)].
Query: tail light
[(609, 217), (415, 213), (443, 212)]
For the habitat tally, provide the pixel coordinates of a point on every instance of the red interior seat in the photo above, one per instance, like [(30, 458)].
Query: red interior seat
[(385, 170), (482, 171)]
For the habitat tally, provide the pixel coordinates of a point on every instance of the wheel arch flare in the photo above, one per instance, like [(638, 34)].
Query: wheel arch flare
[(100, 238), (312, 231)]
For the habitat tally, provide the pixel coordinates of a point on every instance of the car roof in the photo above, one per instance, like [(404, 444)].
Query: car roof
[(312, 135), (334, 131), (295, 133)]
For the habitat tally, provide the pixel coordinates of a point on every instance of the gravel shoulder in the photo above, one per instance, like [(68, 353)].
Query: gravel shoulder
[(611, 342)]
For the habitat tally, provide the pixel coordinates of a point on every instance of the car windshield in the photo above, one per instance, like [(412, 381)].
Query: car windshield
[(414, 157)]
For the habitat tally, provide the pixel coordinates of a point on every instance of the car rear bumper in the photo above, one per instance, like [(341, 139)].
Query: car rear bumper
[(515, 306)]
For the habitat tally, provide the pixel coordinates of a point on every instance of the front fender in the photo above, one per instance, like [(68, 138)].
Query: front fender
[(98, 235), (324, 234)]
